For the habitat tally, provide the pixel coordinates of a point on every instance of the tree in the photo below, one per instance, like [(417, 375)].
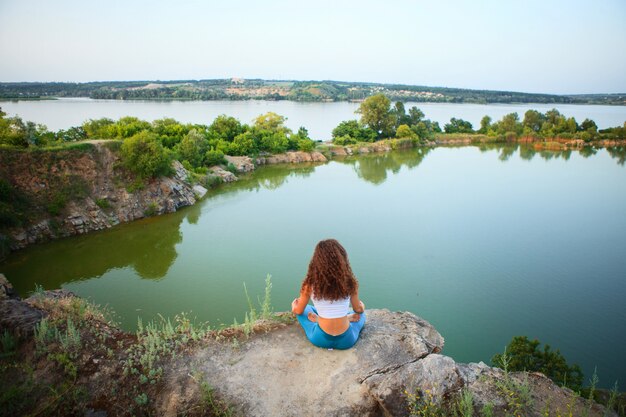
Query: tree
[(12, 131), (485, 125), (243, 144), (192, 148), (525, 355), (509, 123), (99, 128), (272, 122), (144, 155), (226, 127), (533, 120), (376, 114), (129, 126), (458, 126), (415, 116), (354, 130), (399, 114)]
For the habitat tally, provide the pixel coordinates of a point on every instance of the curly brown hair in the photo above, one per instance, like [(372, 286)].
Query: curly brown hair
[(329, 276)]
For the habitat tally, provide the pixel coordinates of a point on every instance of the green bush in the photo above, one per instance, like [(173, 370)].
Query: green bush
[(214, 157), (525, 355), (306, 145), (144, 155), (344, 140)]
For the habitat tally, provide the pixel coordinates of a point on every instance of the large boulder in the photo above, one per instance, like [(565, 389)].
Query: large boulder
[(241, 163), (281, 373)]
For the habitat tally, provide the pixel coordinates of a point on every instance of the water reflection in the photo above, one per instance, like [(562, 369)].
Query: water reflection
[(373, 168), (268, 177), (619, 153), (148, 248)]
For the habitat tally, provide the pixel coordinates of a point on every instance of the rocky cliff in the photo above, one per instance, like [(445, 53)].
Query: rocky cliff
[(71, 192), (395, 369)]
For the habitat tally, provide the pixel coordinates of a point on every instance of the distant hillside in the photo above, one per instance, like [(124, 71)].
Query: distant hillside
[(240, 89)]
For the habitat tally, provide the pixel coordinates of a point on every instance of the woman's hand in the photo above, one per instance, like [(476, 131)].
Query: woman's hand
[(362, 307), (294, 304)]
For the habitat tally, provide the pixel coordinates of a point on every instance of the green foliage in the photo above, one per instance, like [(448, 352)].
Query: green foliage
[(74, 188), (151, 210), (12, 205), (466, 403), (458, 126), (251, 316), (525, 355), (8, 342), (344, 140), (169, 131), (306, 145), (99, 128), (192, 148), (404, 131), (243, 144), (226, 128), (485, 125), (144, 155), (376, 114), (516, 394), (210, 404), (352, 131), (214, 157), (271, 122), (128, 126), (103, 203)]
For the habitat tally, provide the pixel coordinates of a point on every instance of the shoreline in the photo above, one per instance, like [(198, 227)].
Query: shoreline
[(156, 199)]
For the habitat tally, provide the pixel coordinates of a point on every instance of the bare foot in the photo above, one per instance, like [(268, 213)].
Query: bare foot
[(312, 317), (354, 317)]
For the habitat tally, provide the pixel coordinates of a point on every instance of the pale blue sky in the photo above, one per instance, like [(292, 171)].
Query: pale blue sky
[(558, 46)]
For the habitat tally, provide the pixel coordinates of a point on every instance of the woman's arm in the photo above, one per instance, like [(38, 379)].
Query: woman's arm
[(357, 305), (299, 304)]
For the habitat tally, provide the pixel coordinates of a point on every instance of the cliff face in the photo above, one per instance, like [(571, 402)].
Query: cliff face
[(77, 191)]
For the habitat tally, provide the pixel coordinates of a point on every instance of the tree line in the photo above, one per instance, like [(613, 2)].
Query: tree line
[(238, 89), (148, 147), (379, 120)]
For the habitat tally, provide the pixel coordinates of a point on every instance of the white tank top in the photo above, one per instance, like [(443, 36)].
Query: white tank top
[(332, 309)]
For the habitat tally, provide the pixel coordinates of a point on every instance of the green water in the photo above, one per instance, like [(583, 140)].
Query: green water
[(483, 243)]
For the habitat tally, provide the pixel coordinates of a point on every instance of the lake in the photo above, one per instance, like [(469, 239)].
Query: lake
[(485, 243), (319, 118)]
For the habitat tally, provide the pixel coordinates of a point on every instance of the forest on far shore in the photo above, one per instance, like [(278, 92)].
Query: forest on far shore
[(307, 91)]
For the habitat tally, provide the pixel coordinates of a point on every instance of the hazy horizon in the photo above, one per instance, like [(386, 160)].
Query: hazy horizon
[(557, 47)]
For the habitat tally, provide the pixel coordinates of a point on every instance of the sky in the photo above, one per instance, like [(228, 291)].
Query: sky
[(543, 46)]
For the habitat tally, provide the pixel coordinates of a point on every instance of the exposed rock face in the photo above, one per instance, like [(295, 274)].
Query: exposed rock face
[(281, 374), (6, 289), (291, 158), (107, 204), (226, 176), (241, 163)]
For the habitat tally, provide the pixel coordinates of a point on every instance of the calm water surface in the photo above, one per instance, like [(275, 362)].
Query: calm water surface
[(319, 118), (484, 243)]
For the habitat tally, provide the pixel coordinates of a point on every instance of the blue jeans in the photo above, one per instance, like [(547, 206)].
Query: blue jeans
[(320, 338)]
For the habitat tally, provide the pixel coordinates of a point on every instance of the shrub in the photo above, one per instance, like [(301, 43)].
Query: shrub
[(306, 145), (404, 131), (525, 355), (145, 156), (214, 157), (344, 140)]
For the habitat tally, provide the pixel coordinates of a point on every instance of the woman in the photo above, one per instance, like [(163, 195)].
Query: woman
[(332, 287)]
